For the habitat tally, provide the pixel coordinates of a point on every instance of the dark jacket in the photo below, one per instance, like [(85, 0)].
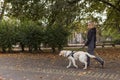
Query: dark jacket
[(91, 38)]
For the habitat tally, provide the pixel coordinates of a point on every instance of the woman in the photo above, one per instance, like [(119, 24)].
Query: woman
[(91, 42)]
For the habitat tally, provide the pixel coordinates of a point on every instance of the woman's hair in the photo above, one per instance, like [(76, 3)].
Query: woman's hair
[(92, 24)]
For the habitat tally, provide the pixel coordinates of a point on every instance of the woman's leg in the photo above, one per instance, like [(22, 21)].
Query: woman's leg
[(90, 51), (100, 60)]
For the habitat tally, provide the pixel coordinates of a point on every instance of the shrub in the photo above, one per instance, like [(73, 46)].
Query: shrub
[(7, 35), (56, 37), (30, 35)]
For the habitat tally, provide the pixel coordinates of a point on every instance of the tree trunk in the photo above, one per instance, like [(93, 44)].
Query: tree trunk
[(30, 48), (35, 47), (53, 50), (3, 50), (22, 47), (60, 48), (9, 49)]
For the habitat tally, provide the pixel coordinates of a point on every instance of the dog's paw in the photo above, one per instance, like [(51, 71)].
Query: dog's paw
[(67, 66), (84, 68), (76, 66)]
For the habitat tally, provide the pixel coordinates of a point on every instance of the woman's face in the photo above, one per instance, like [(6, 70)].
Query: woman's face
[(90, 25)]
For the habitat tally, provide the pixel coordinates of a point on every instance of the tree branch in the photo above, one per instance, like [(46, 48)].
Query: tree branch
[(103, 1), (73, 1), (111, 5)]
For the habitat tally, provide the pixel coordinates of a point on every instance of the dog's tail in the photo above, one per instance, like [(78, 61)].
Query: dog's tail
[(89, 55)]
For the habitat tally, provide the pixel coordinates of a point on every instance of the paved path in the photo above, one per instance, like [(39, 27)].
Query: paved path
[(53, 67)]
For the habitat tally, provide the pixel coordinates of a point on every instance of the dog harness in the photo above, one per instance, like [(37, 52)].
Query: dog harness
[(71, 54)]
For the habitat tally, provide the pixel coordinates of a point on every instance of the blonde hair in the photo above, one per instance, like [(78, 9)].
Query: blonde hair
[(91, 24)]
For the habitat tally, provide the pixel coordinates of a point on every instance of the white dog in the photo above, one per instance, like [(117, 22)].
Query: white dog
[(79, 55)]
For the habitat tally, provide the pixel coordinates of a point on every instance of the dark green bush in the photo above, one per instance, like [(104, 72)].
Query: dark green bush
[(7, 36), (117, 41), (30, 35), (56, 36)]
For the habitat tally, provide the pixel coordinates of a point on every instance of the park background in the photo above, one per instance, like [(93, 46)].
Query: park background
[(32, 30), (32, 24)]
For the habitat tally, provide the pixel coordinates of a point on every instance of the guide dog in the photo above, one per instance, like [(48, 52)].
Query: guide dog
[(76, 55)]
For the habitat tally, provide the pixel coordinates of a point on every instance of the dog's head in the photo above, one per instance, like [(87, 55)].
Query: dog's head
[(62, 53)]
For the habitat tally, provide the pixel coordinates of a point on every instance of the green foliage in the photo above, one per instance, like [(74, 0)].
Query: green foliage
[(30, 35), (60, 17), (56, 36), (110, 31), (32, 10), (26, 33), (7, 35)]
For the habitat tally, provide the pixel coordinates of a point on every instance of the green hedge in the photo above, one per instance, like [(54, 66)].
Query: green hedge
[(30, 35), (7, 36), (56, 36)]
